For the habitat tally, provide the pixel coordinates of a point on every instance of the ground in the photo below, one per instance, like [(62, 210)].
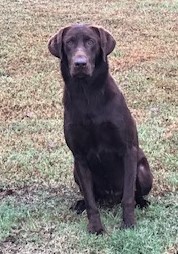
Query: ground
[(36, 181)]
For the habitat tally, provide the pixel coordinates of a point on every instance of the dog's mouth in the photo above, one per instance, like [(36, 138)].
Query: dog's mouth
[(81, 72)]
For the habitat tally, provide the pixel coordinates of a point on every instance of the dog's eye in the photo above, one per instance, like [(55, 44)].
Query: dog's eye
[(70, 42), (90, 42)]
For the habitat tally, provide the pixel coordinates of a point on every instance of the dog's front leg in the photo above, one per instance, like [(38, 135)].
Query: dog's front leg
[(128, 200), (86, 184)]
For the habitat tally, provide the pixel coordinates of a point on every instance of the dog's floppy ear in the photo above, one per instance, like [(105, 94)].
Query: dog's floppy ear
[(55, 43), (107, 41)]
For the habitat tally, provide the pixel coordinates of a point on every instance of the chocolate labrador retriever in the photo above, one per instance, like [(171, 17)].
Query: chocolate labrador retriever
[(109, 165)]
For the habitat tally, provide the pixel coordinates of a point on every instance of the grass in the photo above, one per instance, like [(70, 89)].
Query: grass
[(36, 184)]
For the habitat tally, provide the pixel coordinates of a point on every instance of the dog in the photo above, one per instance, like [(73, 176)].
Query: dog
[(99, 130)]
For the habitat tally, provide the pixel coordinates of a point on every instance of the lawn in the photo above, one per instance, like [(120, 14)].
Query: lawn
[(36, 180)]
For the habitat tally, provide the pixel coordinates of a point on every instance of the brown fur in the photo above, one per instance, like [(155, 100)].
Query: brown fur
[(109, 165)]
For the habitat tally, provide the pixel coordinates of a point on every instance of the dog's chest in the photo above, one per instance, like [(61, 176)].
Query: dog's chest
[(94, 134)]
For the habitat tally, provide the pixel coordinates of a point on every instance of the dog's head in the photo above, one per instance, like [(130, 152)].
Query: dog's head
[(81, 45)]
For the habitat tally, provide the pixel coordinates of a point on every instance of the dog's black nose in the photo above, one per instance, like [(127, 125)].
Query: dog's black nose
[(80, 61)]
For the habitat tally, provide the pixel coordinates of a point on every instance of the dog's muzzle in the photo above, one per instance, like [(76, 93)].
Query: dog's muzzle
[(80, 62), (80, 66)]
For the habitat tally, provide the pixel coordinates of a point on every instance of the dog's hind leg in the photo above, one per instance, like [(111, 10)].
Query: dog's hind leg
[(79, 206), (143, 182)]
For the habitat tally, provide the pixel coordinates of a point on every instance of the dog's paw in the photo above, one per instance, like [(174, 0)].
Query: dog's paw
[(127, 225), (143, 203), (79, 206), (96, 228)]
